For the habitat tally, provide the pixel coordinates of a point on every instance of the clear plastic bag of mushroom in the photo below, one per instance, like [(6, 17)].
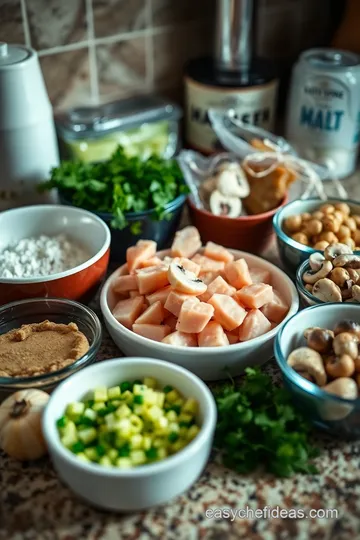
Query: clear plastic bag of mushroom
[(255, 173)]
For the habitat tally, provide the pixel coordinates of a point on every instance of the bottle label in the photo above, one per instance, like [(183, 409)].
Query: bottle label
[(254, 105)]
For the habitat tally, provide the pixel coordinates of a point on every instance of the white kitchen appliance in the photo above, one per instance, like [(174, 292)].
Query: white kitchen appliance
[(28, 145)]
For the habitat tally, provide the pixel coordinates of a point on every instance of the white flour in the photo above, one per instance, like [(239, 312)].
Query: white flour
[(40, 256)]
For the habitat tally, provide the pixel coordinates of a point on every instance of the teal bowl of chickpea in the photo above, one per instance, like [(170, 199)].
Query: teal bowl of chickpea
[(303, 227)]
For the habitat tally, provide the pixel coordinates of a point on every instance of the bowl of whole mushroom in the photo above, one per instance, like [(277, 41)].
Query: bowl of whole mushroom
[(317, 351), (332, 276)]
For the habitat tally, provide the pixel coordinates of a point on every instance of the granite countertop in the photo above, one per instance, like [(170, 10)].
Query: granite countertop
[(35, 505)]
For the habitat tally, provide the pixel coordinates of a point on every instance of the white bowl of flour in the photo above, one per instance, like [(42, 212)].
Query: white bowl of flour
[(51, 251)]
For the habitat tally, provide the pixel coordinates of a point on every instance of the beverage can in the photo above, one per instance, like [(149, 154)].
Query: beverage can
[(323, 116)]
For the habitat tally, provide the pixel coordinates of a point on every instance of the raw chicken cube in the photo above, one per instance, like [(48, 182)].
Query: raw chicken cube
[(156, 332), (276, 309), (255, 296), (237, 274), (194, 316), (228, 312), (127, 311), (218, 253), (213, 335), (181, 339), (254, 325)]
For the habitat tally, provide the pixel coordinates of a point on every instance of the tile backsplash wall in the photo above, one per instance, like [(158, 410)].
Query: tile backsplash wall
[(94, 51)]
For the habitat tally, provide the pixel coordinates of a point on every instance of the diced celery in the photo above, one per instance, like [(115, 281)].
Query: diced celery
[(91, 453), (183, 431), (124, 450), (112, 454), (173, 426), (125, 386), (190, 406), (172, 396), (87, 435), (160, 399), (116, 402), (162, 453), (146, 442), (185, 418), (61, 422), (114, 392), (150, 382), (139, 389), (78, 447), (167, 389), (75, 410), (178, 445), (138, 457), (171, 416), (82, 457), (192, 432), (127, 397), (124, 428), (154, 412), (136, 441), (124, 463), (123, 411), (150, 397), (99, 405), (138, 409), (138, 400), (69, 435), (105, 461), (158, 443), (136, 423), (179, 402), (161, 424), (100, 394), (173, 436), (90, 414), (110, 420)]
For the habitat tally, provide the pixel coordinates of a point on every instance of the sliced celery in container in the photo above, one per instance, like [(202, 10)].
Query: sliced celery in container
[(143, 126)]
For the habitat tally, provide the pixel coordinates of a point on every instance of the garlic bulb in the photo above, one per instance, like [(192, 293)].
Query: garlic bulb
[(20, 424)]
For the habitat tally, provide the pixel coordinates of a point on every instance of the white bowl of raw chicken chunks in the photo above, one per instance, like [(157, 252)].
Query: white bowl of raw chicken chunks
[(211, 310)]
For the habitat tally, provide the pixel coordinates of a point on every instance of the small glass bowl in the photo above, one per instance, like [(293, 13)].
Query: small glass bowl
[(56, 310), (306, 298), (334, 414)]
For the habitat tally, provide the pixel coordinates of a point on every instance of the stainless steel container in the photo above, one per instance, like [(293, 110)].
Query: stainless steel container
[(323, 109)]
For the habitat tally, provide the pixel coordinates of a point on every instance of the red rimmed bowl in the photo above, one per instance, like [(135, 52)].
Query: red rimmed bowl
[(78, 283), (248, 233)]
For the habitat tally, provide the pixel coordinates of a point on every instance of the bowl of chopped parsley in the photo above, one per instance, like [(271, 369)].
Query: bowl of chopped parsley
[(136, 198)]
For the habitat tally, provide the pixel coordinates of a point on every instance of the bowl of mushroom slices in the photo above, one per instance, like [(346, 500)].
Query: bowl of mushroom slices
[(317, 351), (331, 276)]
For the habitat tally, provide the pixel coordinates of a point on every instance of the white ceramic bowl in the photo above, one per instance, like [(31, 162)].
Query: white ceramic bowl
[(147, 485), (78, 283), (210, 363)]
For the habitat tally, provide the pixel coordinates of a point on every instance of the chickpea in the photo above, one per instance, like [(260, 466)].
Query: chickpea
[(344, 232), (343, 208), (329, 237), (321, 245), (342, 366), (349, 242), (331, 224), (339, 276), (313, 227), (327, 208), (318, 215), (305, 216), (351, 223), (357, 220), (301, 238), (293, 223), (356, 236), (339, 216)]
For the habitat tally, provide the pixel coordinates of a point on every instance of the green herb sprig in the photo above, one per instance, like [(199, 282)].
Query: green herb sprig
[(258, 426), (119, 185)]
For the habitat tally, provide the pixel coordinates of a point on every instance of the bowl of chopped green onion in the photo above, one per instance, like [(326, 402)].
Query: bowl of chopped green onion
[(136, 198), (130, 433)]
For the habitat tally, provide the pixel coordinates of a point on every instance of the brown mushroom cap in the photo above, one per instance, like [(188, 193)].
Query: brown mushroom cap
[(347, 261), (347, 325), (340, 366), (346, 343), (319, 339)]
